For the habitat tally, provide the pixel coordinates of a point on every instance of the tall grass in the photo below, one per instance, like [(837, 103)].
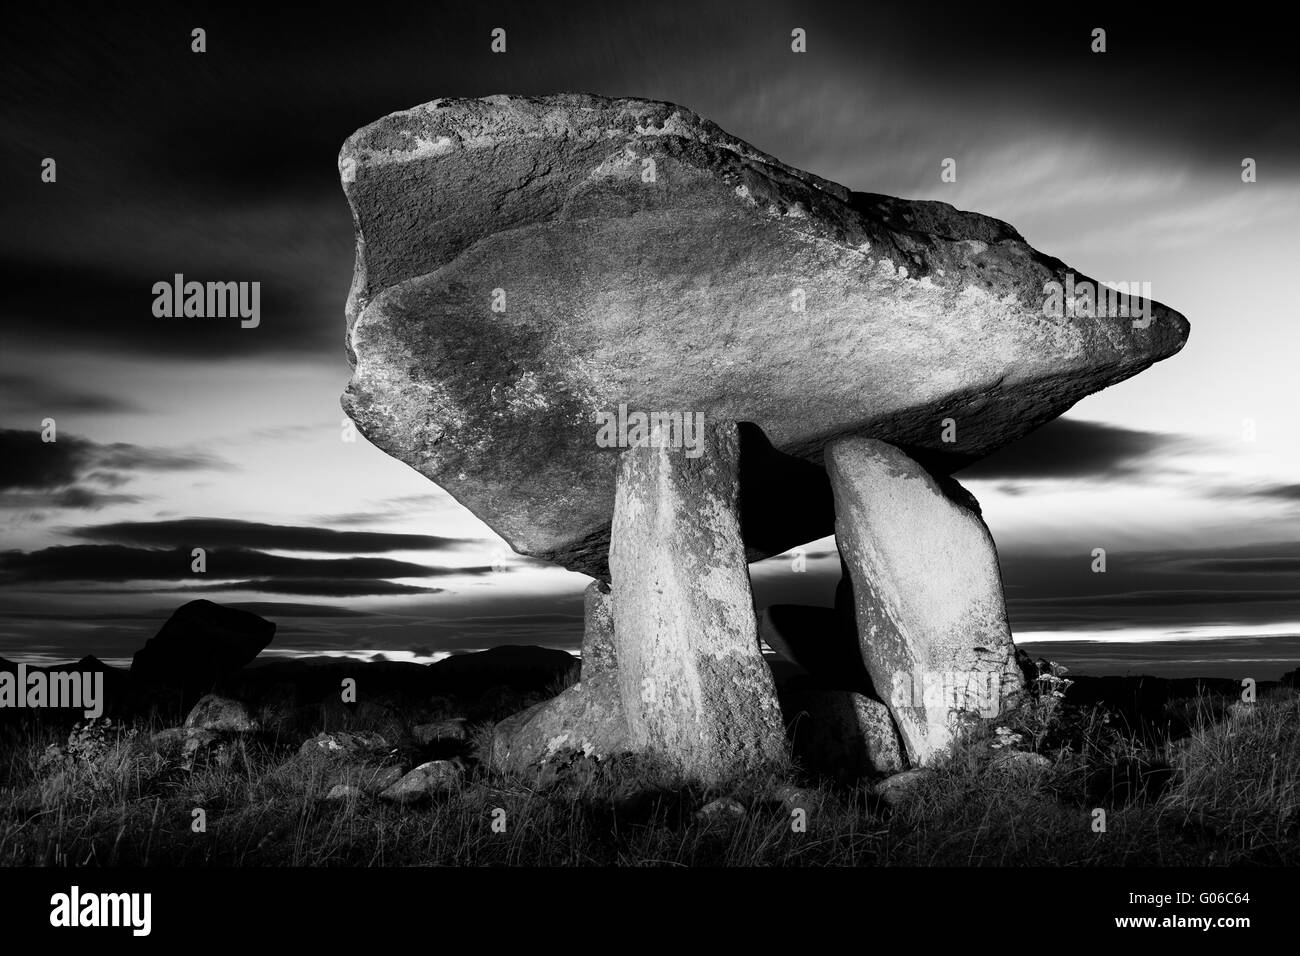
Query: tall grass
[(1229, 793)]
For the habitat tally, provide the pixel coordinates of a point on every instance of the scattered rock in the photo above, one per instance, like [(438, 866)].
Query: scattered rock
[(219, 715), (795, 798), (586, 720), (382, 778), (436, 776), (1021, 764), (442, 731), (723, 812), (343, 791), (205, 746), (504, 731), (344, 743), (896, 790)]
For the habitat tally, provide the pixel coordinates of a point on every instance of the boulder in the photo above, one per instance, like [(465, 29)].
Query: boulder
[(452, 730), (436, 776), (896, 790), (1021, 765), (722, 813), (378, 779), (220, 715), (844, 735), (695, 687), (526, 264), (931, 618), (204, 746), (587, 718), (581, 720), (198, 645), (796, 798), (345, 744)]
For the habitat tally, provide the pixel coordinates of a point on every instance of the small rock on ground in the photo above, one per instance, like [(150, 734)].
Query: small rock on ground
[(895, 790), (725, 811), (436, 776)]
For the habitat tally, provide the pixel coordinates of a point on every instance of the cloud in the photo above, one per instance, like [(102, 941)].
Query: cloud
[(111, 562), (1194, 587), (1282, 492), (85, 498), (54, 474), (29, 394), (1070, 448), (273, 609), (109, 308), (229, 532), (319, 588)]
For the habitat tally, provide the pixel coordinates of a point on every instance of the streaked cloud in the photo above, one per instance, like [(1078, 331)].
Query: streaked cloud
[(230, 532)]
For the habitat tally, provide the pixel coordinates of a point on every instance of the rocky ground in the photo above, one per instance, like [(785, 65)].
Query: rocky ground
[(278, 770)]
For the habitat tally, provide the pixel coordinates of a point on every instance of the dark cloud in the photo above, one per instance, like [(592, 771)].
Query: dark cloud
[(1068, 448), (27, 462), (222, 166), (108, 308), (1287, 492), (1239, 585), (84, 498), (273, 609), (1251, 566), (1173, 598), (122, 456), (44, 397), (320, 587), (179, 162), (229, 532), (110, 562)]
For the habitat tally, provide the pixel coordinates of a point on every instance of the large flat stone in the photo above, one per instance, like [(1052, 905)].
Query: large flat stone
[(678, 292)]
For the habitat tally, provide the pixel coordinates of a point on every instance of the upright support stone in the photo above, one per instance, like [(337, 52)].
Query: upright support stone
[(599, 658), (696, 689), (931, 616)]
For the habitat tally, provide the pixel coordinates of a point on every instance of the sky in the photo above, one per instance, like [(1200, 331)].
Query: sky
[(173, 435)]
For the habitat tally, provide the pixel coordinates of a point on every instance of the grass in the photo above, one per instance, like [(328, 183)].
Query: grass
[(1229, 793)]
